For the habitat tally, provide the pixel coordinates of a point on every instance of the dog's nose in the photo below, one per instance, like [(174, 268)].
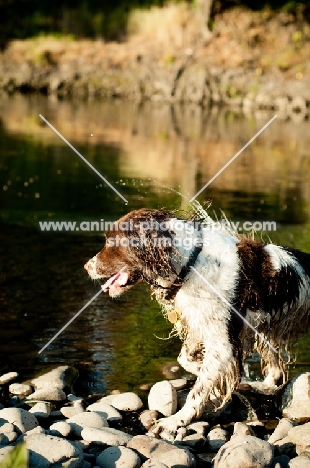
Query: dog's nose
[(87, 266)]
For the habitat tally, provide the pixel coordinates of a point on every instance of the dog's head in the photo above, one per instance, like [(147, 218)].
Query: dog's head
[(138, 247)]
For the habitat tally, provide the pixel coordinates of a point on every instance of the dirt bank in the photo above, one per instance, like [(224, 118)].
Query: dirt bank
[(252, 60)]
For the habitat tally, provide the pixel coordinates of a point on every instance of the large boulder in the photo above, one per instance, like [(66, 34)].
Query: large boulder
[(244, 452), (295, 401)]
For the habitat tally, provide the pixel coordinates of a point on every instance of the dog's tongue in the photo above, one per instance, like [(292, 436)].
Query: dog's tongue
[(119, 279)]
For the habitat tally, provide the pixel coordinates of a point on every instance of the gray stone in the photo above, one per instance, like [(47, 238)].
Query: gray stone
[(20, 389), (195, 441), (35, 431), (56, 414), (48, 393), (153, 464), (299, 462), (8, 377), (84, 445), (170, 437), (177, 458), (285, 447), (145, 387), (60, 429), (163, 398), (107, 399), (107, 411), (281, 431), (22, 419), (149, 447), (282, 461), (296, 397), (300, 436), (14, 401), (201, 427), (106, 435), (171, 370), (60, 377), (7, 437), (159, 450), (86, 464), (4, 451), (178, 384), (244, 452), (241, 428), (82, 420), (118, 457), (217, 437), (70, 411), (74, 398), (7, 427), (45, 450), (127, 401), (41, 410), (205, 459)]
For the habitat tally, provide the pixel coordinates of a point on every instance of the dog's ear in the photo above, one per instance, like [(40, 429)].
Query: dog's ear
[(151, 245)]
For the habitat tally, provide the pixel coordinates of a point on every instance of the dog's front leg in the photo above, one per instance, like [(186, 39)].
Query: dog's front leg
[(191, 357), (219, 373)]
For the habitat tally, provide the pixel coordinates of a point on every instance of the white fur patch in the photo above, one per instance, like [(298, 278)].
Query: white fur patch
[(280, 258), (203, 310), (91, 268)]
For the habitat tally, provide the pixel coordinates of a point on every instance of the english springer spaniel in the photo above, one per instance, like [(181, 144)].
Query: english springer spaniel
[(202, 276)]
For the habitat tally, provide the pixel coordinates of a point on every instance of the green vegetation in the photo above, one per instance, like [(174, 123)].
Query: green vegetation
[(17, 458), (94, 18), (101, 18)]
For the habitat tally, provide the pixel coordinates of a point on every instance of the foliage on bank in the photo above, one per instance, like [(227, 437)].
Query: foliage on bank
[(103, 18)]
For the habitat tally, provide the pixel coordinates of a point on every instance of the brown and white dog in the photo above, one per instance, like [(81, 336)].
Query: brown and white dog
[(201, 275)]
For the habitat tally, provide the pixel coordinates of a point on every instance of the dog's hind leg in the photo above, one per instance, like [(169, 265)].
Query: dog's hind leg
[(272, 367)]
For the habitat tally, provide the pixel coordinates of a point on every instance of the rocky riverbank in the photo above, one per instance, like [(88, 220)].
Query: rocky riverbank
[(60, 428), (252, 60)]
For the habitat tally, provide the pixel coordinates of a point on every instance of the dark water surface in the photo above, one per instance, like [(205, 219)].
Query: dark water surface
[(145, 151)]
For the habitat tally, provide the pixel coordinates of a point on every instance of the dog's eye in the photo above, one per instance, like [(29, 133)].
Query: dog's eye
[(109, 243)]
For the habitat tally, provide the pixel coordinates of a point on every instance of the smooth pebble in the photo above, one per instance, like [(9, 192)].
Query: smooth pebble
[(86, 419), (127, 401), (107, 436), (107, 411), (163, 398), (118, 457), (22, 419)]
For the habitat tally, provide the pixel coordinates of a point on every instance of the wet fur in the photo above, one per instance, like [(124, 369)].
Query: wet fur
[(267, 284)]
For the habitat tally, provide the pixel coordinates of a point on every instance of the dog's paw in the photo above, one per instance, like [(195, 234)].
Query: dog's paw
[(170, 429)]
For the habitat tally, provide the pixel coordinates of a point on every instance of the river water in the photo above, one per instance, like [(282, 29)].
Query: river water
[(150, 153)]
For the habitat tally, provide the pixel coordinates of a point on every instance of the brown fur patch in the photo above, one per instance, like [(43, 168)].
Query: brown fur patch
[(260, 287)]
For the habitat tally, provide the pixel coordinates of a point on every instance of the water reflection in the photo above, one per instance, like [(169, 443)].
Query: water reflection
[(145, 151)]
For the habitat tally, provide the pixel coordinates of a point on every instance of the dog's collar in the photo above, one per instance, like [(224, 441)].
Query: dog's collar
[(172, 289), (191, 261)]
